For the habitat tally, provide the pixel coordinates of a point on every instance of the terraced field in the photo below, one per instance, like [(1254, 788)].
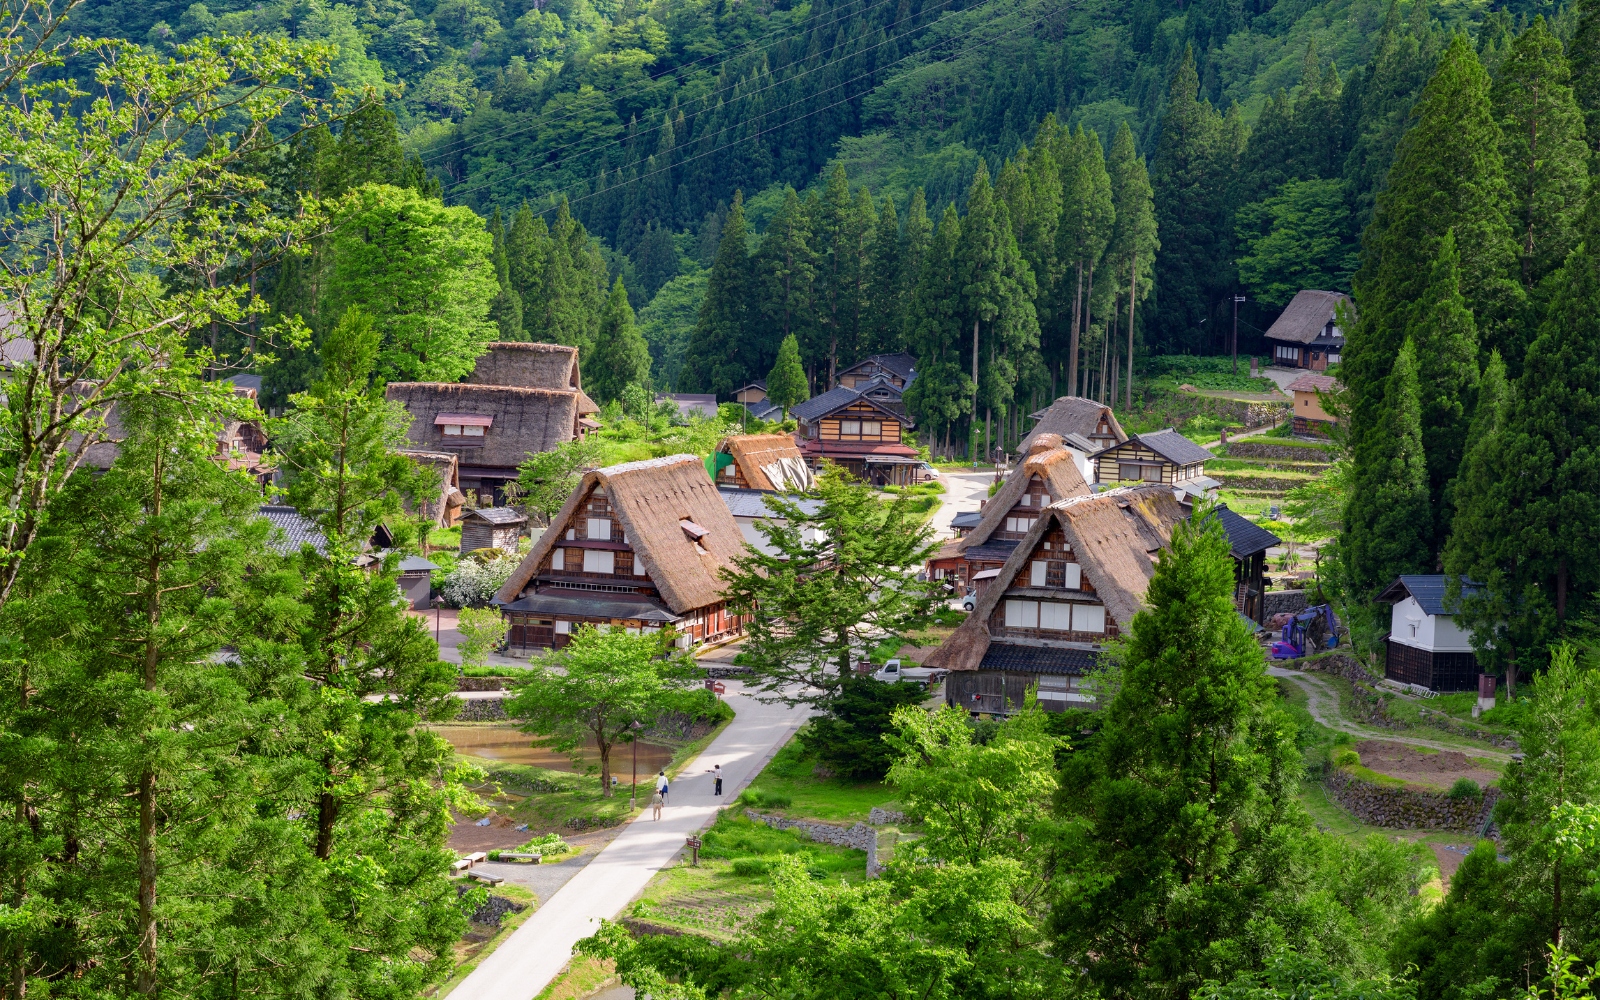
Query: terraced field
[(1257, 472)]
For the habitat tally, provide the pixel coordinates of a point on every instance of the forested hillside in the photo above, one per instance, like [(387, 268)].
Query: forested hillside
[(647, 120)]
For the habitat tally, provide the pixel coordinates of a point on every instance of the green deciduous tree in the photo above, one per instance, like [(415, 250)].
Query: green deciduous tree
[(421, 271), (1297, 238), (548, 478), (621, 357), (786, 383), (482, 631), (839, 580), (607, 681), (1542, 142)]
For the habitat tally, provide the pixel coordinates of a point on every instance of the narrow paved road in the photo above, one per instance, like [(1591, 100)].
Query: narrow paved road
[(1323, 704), (962, 492), (536, 952)]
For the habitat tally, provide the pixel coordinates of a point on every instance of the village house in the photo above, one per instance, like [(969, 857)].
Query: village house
[(637, 546), (753, 398), (1163, 456), (1073, 581), (1425, 645), (241, 444), (1047, 475), (760, 462), (1309, 415), (1307, 334), (416, 582), (1082, 424), (522, 399), (1248, 543), (749, 509), (896, 371), (864, 432)]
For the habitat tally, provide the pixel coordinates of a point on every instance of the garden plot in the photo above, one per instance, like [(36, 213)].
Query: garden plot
[(1435, 770)]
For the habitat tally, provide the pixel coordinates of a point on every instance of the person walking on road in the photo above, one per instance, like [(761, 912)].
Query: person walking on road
[(716, 776), (655, 805), (662, 786)]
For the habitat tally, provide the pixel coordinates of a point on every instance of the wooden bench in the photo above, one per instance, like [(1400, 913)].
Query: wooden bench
[(519, 856), (460, 866), (486, 878), (476, 856)]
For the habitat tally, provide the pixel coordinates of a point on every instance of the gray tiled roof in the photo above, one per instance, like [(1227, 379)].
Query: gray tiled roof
[(416, 564), (586, 604), (1429, 591), (752, 503), (296, 530), (967, 519), (1245, 537), (1174, 447), (1038, 659), (498, 515), (816, 406)]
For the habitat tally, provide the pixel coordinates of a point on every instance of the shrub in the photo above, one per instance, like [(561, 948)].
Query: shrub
[(757, 799), (848, 740), (472, 584), (1464, 788), (752, 867), (1346, 757)]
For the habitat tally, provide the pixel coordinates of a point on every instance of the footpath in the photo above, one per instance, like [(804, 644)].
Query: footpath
[(536, 952)]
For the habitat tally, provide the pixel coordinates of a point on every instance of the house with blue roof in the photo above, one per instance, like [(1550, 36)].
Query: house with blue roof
[(1425, 645)]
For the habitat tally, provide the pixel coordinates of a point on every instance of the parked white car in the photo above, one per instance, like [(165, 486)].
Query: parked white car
[(893, 672)]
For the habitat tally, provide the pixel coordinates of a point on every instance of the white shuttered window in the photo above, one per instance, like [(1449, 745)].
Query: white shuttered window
[(1055, 615), (1088, 618), (1022, 614), (599, 561), (1040, 568)]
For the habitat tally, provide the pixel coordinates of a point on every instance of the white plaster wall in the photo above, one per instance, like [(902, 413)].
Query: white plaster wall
[(1435, 633)]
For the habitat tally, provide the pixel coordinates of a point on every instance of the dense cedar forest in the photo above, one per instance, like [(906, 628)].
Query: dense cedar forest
[(217, 773)]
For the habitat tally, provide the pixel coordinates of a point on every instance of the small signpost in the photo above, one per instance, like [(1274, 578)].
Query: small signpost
[(694, 849)]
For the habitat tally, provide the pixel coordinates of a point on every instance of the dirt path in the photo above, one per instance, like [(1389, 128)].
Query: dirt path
[(1241, 435), (1323, 704)]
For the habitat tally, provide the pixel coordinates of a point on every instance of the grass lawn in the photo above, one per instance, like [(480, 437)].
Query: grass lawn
[(789, 778), (731, 884), (583, 976)]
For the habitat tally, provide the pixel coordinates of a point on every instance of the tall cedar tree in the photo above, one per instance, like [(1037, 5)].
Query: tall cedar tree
[(1185, 797), (1030, 187), (1542, 142), (886, 287), (711, 362), (1538, 511), (621, 357), (786, 382), (942, 391), (1583, 54), (1131, 255), (1447, 379), (1448, 176), (1087, 229), (1191, 205), (506, 309), (1389, 523), (835, 578), (338, 449), (784, 271), (838, 229), (1481, 550), (997, 290)]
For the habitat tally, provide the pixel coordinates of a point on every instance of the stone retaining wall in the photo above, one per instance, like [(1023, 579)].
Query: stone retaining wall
[(482, 710), (1261, 449), (885, 817), (727, 673), (1278, 602), (1408, 809), (857, 836), (494, 910), (480, 683)]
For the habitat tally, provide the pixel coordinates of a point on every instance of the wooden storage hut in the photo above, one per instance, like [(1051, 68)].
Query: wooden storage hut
[(1425, 646), (416, 582), (491, 528)]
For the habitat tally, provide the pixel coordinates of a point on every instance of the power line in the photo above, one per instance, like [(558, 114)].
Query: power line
[(738, 97), (774, 128), (735, 53)]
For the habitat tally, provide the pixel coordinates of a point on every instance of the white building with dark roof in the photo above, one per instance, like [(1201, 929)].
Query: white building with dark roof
[(1425, 645)]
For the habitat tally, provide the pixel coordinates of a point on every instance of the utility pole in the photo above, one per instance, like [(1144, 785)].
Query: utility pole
[(973, 437), (1236, 300)]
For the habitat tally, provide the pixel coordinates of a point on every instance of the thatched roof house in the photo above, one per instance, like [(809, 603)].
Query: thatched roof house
[(769, 462), (444, 508), (1306, 334), (492, 429), (637, 546), (1076, 579), (528, 366), (1046, 475), (1073, 417)]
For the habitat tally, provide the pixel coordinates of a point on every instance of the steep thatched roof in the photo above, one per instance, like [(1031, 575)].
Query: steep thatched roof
[(528, 366), (1047, 460), (653, 500), (1115, 536), (1072, 415), (755, 453), (1306, 316), (524, 421), (447, 466)]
